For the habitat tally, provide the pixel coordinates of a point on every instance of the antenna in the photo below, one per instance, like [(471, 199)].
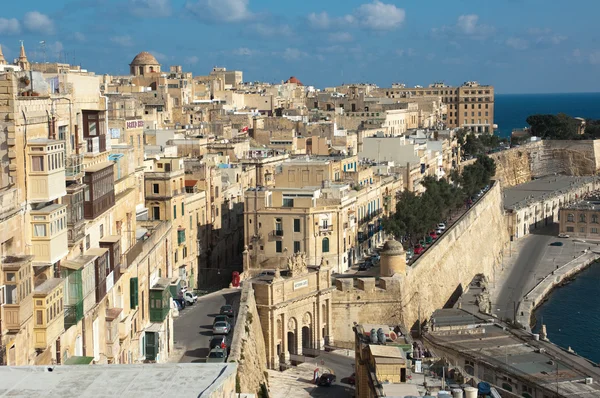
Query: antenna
[(43, 47)]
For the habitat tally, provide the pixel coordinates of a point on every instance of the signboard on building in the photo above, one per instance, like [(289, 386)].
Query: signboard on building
[(300, 284), (133, 124)]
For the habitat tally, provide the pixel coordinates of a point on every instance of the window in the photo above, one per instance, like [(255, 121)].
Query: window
[(582, 230), (296, 225), (595, 218), (582, 218), (62, 132), (183, 209), (594, 230), (570, 217), (87, 242), (296, 246), (174, 211), (39, 314), (325, 245), (39, 229), (37, 163), (570, 229), (155, 188), (101, 230), (278, 246), (176, 254), (287, 202), (184, 251), (156, 213)]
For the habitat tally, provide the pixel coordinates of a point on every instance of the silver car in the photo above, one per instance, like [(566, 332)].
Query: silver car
[(221, 328)]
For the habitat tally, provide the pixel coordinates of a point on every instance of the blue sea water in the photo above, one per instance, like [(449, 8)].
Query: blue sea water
[(511, 110), (572, 314)]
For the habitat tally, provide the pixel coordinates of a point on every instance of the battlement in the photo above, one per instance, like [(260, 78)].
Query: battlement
[(368, 284)]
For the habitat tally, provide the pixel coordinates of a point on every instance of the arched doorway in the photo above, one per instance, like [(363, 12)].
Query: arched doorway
[(306, 340), (291, 342)]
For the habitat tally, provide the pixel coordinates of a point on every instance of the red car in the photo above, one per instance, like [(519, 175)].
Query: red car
[(352, 379), (433, 235), (419, 249)]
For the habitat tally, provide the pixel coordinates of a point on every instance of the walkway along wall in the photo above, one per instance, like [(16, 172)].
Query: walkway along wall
[(248, 345), (472, 246)]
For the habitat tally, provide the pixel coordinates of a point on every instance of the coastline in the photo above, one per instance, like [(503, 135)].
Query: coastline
[(540, 292)]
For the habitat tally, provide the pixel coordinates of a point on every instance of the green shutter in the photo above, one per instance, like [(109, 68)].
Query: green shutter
[(183, 209), (174, 211), (151, 345), (133, 292)]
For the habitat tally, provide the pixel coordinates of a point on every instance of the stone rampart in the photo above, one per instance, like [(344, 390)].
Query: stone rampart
[(248, 344), (473, 245), (541, 158)]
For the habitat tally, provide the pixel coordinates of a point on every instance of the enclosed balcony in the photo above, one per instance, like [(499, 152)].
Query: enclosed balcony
[(113, 244), (49, 239), (75, 221), (101, 268), (72, 272), (74, 166), (48, 313), (160, 300), (45, 170), (112, 333), (18, 286), (99, 192)]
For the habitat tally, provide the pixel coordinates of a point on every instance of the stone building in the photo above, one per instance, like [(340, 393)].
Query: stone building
[(144, 64), (294, 307), (581, 219)]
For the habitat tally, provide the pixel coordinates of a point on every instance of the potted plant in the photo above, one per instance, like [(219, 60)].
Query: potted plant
[(25, 80), (35, 94)]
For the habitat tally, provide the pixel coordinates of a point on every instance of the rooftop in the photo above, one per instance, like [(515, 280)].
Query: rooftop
[(144, 58), (542, 188), (157, 380), (591, 203)]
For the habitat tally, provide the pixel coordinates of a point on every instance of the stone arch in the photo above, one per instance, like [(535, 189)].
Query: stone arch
[(292, 336), (307, 333)]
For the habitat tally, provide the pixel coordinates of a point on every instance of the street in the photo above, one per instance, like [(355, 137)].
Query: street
[(532, 258), (193, 327)]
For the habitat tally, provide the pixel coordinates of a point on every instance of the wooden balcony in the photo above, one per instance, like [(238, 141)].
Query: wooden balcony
[(49, 235), (48, 313), (46, 170)]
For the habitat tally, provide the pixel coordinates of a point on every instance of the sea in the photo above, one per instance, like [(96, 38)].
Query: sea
[(511, 110), (572, 312)]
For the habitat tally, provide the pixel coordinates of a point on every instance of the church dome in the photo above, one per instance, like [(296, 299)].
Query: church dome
[(144, 58), (293, 79)]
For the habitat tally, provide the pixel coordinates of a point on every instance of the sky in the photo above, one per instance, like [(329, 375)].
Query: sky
[(519, 46)]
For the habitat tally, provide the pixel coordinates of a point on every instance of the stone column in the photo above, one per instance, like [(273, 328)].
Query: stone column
[(299, 339), (284, 343), (329, 330), (318, 325)]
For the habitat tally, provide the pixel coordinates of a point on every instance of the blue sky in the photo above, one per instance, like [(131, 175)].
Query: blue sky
[(519, 46)]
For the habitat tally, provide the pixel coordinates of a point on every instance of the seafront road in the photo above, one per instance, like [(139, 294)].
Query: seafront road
[(528, 261)]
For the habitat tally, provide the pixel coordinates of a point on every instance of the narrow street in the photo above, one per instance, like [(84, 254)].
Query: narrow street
[(193, 327)]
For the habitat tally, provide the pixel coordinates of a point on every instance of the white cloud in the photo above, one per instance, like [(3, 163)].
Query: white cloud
[(340, 37), (150, 8), (380, 16), (272, 31), (243, 52), (293, 54), (466, 25), (220, 10), (80, 37), (159, 56), (191, 60), (319, 21), (56, 47), (9, 26), (35, 21), (125, 41), (517, 43), (546, 36), (409, 52), (594, 57)]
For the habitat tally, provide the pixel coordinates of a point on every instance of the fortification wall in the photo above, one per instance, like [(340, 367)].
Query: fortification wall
[(472, 246), (537, 159), (248, 344)]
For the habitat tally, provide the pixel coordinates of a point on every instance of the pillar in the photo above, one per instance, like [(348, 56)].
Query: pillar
[(284, 343), (329, 330)]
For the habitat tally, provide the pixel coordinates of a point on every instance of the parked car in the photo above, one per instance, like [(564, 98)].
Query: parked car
[(433, 235), (428, 240), (410, 253), (218, 341), (441, 226), (180, 302), (352, 379), (563, 235), (556, 244), (419, 249), (221, 328), (217, 355), (439, 231), (375, 258), (326, 379), (190, 298), (363, 266), (227, 310), (220, 318)]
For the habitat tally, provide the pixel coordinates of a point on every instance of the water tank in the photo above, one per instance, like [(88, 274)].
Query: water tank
[(484, 388), (589, 380), (380, 336), (457, 393), (536, 336), (470, 392), (444, 394), (373, 336)]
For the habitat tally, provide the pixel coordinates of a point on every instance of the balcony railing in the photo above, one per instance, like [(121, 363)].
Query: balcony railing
[(73, 314), (93, 145), (75, 233)]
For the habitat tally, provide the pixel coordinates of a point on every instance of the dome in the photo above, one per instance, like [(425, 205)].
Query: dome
[(144, 58), (392, 247), (294, 80)]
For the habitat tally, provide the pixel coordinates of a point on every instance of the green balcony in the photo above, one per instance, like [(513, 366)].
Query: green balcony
[(160, 300)]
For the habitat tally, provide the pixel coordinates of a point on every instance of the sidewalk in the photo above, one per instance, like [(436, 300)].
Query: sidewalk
[(535, 296)]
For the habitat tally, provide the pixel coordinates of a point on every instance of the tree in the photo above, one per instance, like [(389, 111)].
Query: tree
[(558, 127)]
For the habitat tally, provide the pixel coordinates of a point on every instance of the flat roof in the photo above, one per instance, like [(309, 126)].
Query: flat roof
[(48, 286), (542, 188), (588, 204), (156, 380), (79, 262), (97, 167)]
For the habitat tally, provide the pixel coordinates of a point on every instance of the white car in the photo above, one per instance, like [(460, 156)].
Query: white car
[(563, 235), (190, 298), (441, 226)]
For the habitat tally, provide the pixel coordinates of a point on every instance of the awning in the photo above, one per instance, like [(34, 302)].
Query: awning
[(79, 361), (154, 327)]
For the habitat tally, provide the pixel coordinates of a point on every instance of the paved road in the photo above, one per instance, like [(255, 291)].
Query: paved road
[(193, 327), (532, 259)]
